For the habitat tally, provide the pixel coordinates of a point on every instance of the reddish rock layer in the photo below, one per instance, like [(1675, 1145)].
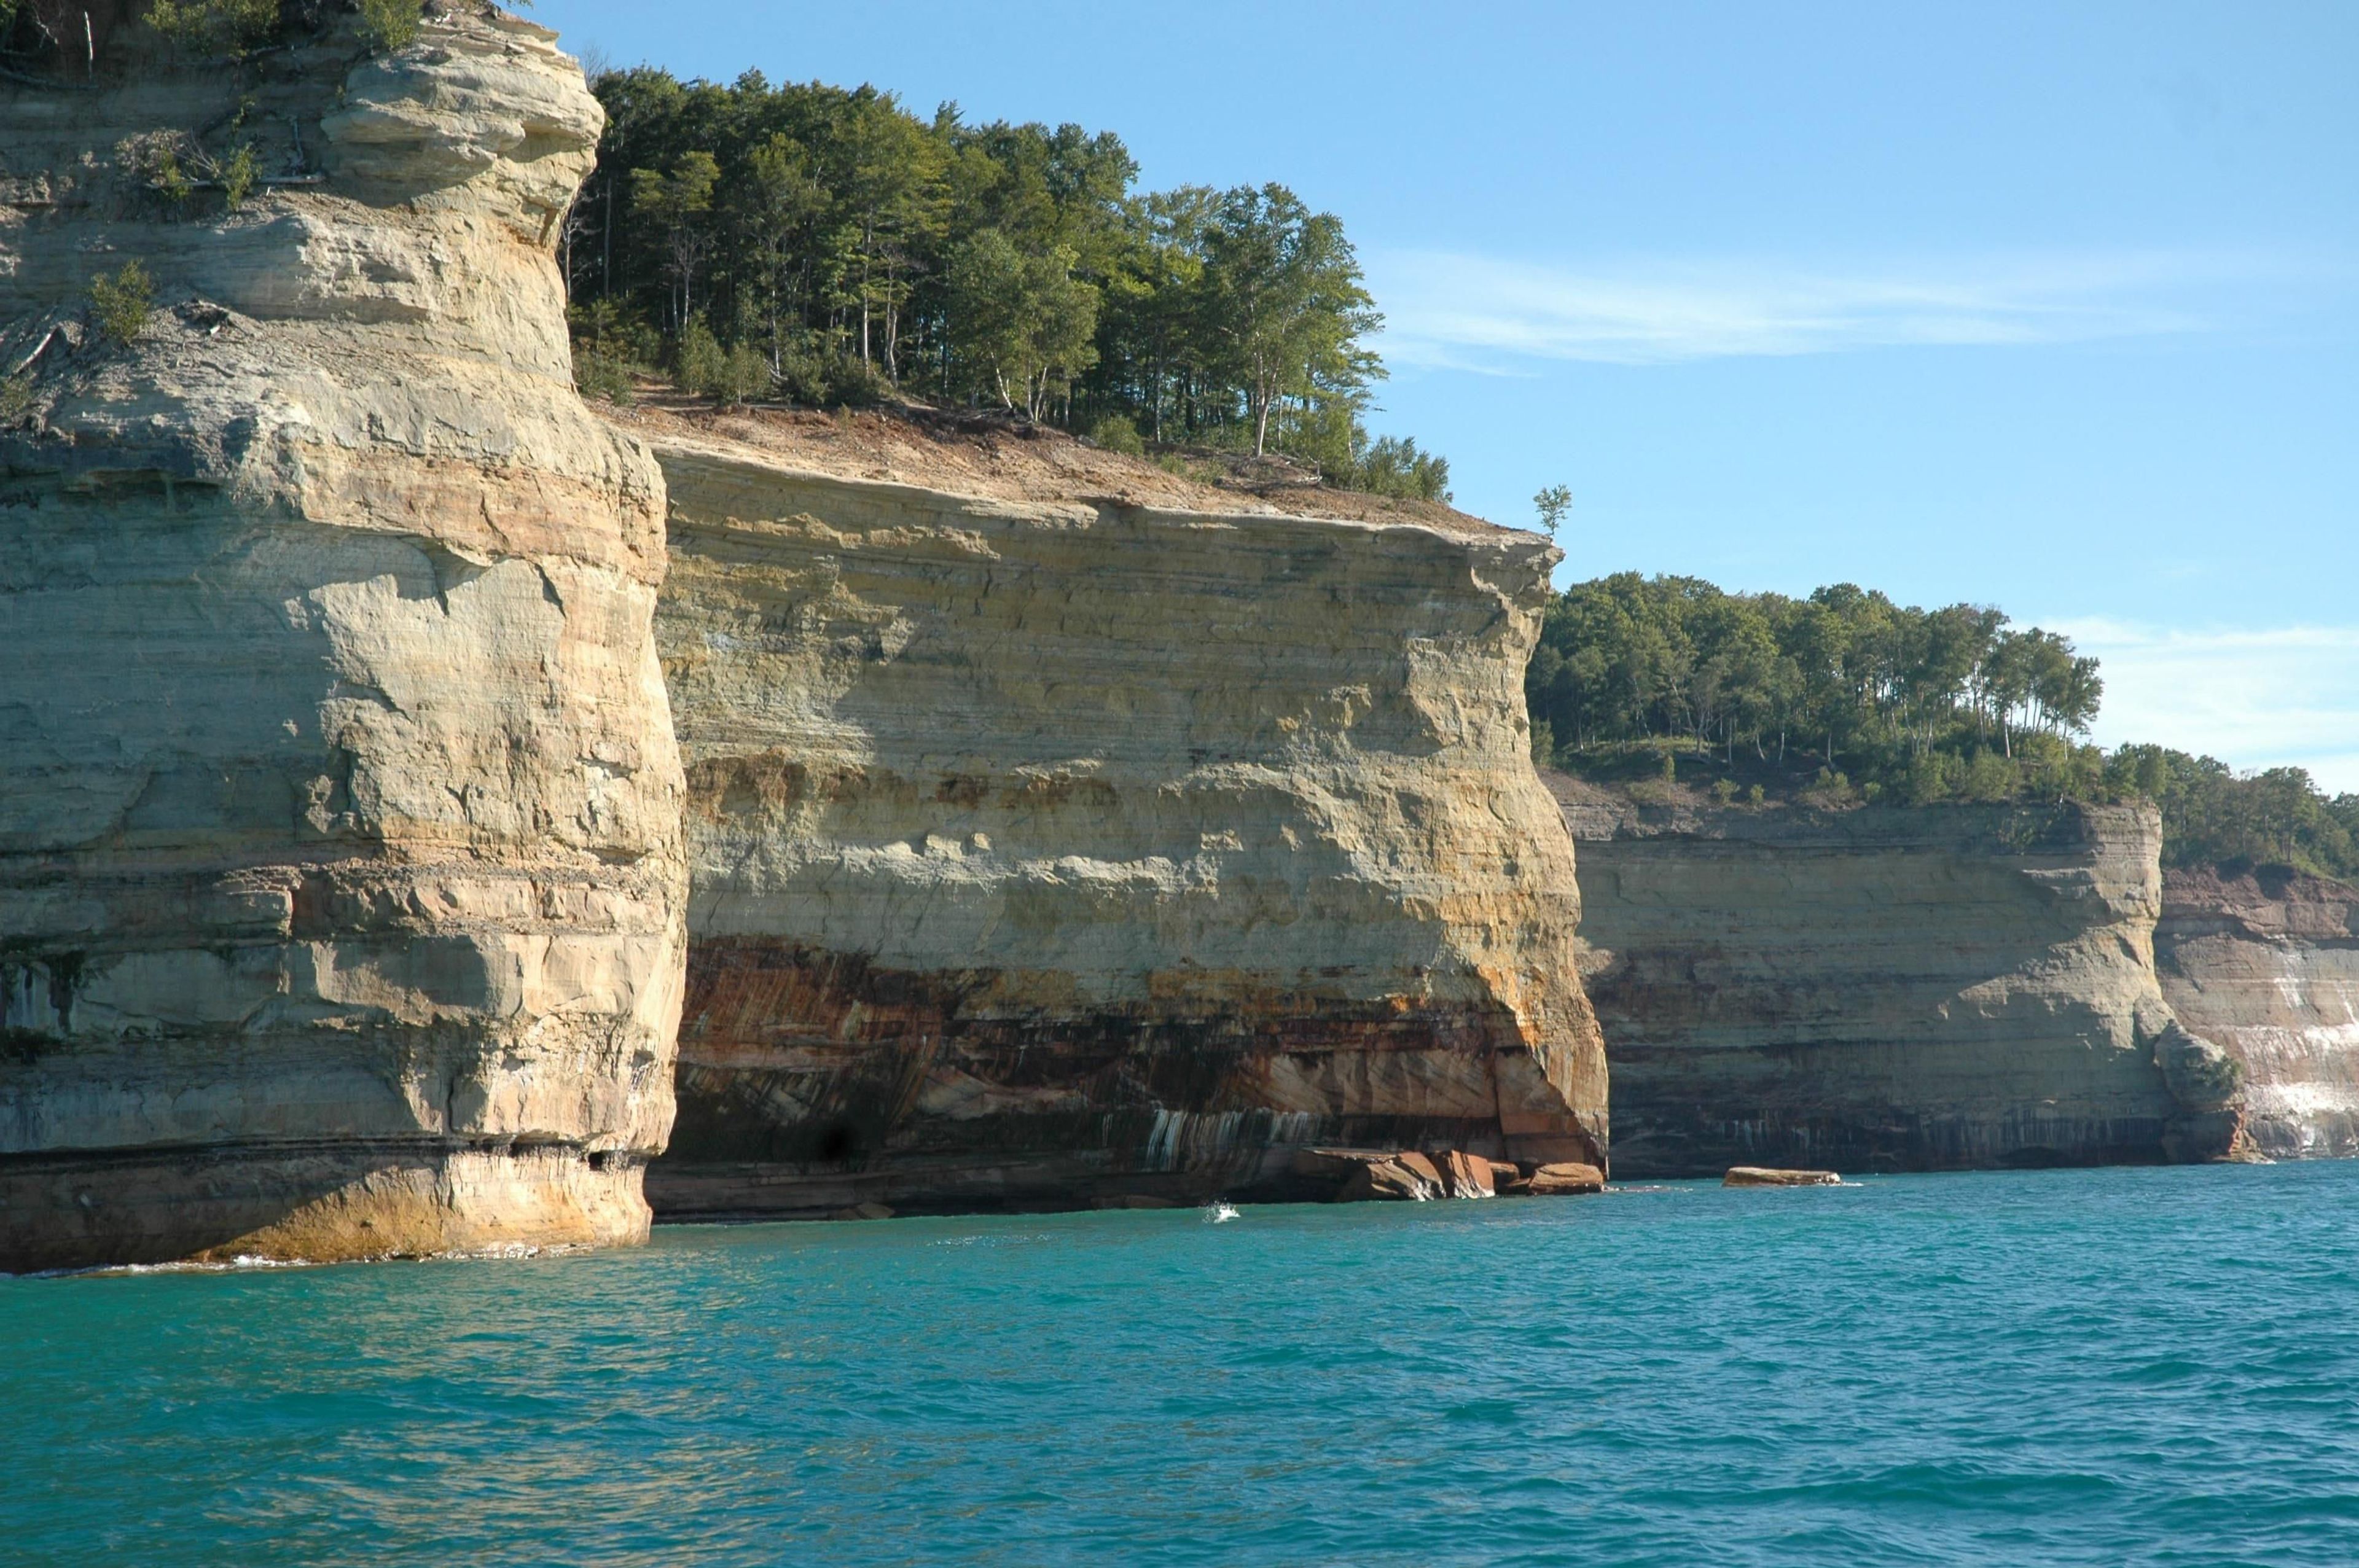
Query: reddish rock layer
[(1051, 854)]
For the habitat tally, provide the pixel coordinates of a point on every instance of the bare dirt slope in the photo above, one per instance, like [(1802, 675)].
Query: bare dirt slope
[(993, 456)]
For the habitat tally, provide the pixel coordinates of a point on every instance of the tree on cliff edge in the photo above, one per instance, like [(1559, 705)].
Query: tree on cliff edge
[(1284, 288)]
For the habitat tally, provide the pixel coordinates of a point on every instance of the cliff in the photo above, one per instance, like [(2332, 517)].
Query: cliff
[(1061, 849), (1886, 988), (341, 885), (2266, 963)]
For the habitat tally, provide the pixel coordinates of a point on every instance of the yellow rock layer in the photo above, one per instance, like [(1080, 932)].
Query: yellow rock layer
[(341, 883), (1048, 852)]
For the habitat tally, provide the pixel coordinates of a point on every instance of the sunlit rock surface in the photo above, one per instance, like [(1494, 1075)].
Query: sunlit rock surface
[(2266, 963), (1047, 853), (340, 889), (1886, 989)]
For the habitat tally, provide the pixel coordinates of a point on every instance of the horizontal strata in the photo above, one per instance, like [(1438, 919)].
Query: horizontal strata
[(327, 1200), (1886, 989), (340, 889), (1048, 853), (2266, 963)]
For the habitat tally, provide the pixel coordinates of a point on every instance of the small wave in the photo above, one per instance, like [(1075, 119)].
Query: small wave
[(1219, 1213), (242, 1263), (1013, 1238)]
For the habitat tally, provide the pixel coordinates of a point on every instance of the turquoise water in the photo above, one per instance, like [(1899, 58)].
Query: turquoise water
[(2112, 1366)]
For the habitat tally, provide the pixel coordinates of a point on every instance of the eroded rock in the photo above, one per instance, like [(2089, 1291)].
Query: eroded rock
[(1045, 847), (1764, 1177), (1887, 989), (2265, 963), (1565, 1180), (340, 881), (1467, 1176), (1407, 1175)]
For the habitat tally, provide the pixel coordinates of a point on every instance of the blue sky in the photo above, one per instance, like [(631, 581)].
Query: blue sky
[(2047, 305)]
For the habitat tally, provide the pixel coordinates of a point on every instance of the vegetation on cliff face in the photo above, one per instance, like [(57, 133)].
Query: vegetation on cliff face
[(71, 40), (1845, 696), (824, 246)]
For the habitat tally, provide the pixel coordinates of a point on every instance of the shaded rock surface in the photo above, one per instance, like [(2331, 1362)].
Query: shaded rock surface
[(1886, 989), (1404, 1175), (1050, 850), (340, 884), (2266, 963)]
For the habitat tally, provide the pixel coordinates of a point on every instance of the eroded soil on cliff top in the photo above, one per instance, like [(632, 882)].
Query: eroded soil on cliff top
[(987, 454)]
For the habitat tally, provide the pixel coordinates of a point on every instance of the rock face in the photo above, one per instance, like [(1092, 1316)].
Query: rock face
[(1759, 1177), (2266, 963), (341, 887), (1048, 852), (1886, 989)]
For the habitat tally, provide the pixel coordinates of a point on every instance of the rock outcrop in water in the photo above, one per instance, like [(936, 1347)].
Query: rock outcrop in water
[(1050, 851), (1886, 989), (340, 886), (2266, 963)]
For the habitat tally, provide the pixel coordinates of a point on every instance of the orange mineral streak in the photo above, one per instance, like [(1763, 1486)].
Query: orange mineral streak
[(343, 891), (1077, 851)]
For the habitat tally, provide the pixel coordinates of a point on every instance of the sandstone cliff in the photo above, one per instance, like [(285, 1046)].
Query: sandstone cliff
[(1052, 851), (341, 887), (2266, 963), (1886, 988)]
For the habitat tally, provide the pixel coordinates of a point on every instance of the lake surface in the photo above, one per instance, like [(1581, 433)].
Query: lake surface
[(2094, 1367)]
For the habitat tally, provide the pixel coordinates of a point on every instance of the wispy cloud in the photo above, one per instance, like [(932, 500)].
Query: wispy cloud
[(1463, 312), (2255, 697)]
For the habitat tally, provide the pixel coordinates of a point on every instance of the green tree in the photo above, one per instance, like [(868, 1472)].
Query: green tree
[(840, 234), (121, 302), (1023, 324), (389, 24), (774, 210), (892, 193), (1392, 465), (1553, 505), (1287, 301), (679, 203), (214, 27)]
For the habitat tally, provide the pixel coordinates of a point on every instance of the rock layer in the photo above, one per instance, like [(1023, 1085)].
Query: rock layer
[(1886, 989), (1045, 853), (2266, 963), (340, 889)]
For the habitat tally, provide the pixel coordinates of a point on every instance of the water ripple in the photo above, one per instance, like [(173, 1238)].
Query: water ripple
[(2151, 1367)]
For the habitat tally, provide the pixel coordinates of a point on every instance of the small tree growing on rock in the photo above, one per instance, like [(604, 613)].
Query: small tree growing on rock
[(1552, 504), (120, 304), (389, 24)]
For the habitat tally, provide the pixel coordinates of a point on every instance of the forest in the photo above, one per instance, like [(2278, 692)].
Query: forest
[(1844, 697), (825, 246)]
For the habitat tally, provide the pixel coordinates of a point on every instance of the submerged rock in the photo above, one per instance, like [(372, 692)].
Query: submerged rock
[(341, 880), (863, 1211)]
